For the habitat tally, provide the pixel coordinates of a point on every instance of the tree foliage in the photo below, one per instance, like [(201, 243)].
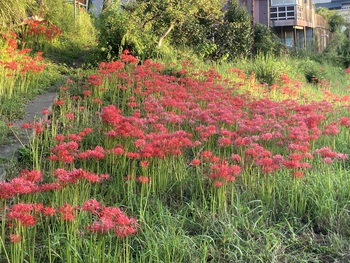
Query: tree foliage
[(145, 26), (334, 19), (165, 15), (264, 40), (121, 27), (233, 35)]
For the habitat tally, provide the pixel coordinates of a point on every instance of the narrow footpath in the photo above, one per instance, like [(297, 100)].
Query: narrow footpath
[(33, 111)]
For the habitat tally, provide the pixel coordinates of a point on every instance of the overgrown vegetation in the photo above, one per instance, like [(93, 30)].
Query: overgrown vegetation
[(217, 150)]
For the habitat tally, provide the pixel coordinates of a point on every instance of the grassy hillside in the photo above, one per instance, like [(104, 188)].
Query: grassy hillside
[(175, 160)]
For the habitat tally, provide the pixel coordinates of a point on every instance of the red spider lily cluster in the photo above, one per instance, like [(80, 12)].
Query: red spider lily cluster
[(30, 182), (41, 28), (17, 60), (19, 69), (104, 218), (228, 131)]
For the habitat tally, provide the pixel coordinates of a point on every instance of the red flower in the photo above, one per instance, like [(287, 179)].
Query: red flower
[(95, 80), (15, 238), (67, 212), (143, 179), (48, 211), (298, 174), (91, 206), (218, 184), (195, 162), (45, 112), (126, 57)]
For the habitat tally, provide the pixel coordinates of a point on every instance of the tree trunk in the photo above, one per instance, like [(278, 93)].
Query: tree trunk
[(165, 33)]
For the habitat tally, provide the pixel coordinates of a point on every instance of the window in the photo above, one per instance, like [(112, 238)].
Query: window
[(284, 2)]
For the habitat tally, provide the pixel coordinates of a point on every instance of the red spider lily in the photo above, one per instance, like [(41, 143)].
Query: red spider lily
[(224, 171), (15, 238), (70, 116), (45, 112), (87, 93), (64, 152), (75, 137), (110, 67), (236, 158), (344, 121), (298, 174), (113, 219), (285, 79), (67, 212), (144, 164), (73, 176), (267, 164), (143, 179), (43, 27), (48, 211), (12, 65), (327, 152), (59, 102), (91, 206), (95, 80), (23, 213), (218, 184), (117, 150), (328, 160), (195, 162), (330, 129), (97, 100), (32, 176), (97, 153), (17, 186), (126, 57)]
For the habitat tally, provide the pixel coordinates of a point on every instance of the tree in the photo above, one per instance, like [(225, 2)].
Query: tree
[(233, 35), (335, 20), (165, 15), (264, 41)]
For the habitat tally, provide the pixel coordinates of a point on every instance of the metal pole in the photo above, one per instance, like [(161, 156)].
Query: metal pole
[(75, 11)]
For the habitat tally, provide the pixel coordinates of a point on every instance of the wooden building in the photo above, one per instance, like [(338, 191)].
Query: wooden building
[(294, 21)]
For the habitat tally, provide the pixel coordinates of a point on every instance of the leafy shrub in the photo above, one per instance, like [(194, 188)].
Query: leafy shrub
[(311, 70)]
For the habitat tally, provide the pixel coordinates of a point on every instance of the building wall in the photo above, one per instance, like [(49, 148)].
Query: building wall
[(261, 11), (97, 6)]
